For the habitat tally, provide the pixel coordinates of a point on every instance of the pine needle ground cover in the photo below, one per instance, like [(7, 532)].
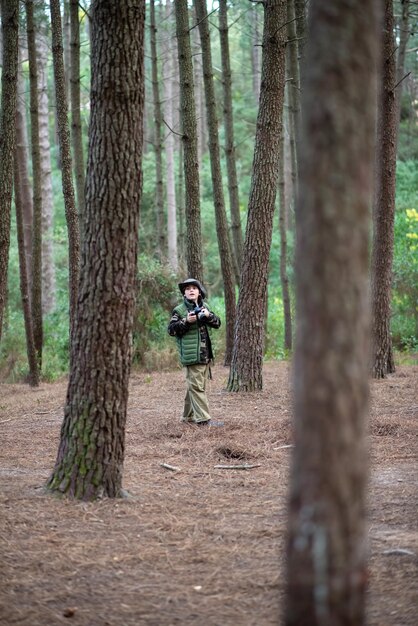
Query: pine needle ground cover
[(195, 543)]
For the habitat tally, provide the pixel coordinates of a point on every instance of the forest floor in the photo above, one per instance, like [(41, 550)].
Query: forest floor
[(199, 545)]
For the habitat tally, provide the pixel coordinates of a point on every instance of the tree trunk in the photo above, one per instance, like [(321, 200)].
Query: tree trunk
[(169, 143), (189, 137), (384, 207), (33, 378), (247, 358), (229, 140), (157, 143), (36, 283), (256, 52), (293, 88), (217, 185), (10, 27), (284, 279), (91, 451), (22, 158), (48, 266), (66, 161), (76, 125), (326, 544)]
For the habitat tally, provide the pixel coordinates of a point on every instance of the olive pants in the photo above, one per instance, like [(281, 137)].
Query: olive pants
[(196, 403)]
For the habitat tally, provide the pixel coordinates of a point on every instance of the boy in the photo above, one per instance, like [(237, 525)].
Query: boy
[(189, 324)]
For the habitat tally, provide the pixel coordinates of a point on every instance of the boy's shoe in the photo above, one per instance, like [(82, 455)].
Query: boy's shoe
[(210, 423)]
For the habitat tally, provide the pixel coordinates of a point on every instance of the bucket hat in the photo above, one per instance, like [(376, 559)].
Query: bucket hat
[(196, 283)]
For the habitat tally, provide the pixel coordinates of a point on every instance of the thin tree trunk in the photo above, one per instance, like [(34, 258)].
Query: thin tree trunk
[(76, 124), (284, 279), (384, 207), (189, 136), (10, 27), (91, 450), (236, 229), (22, 158), (217, 185), (169, 143), (256, 51), (293, 87), (247, 359), (157, 142), (66, 162), (33, 378), (326, 544), (48, 266), (36, 283)]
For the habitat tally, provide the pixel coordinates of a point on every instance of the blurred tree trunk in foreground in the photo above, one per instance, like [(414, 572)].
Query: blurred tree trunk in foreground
[(91, 451), (326, 544)]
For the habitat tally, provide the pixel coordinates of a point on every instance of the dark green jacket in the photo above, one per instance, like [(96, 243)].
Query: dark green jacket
[(193, 340)]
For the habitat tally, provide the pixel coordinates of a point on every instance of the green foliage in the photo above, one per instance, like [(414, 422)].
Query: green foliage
[(157, 294), (405, 265)]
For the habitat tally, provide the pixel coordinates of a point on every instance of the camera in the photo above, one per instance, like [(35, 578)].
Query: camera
[(198, 312)]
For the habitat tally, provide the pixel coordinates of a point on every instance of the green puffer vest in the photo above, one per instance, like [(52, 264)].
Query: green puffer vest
[(189, 345)]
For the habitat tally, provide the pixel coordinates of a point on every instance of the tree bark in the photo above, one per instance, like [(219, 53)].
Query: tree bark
[(66, 161), (91, 451), (229, 140), (76, 124), (31, 351), (36, 282), (384, 206), (247, 359), (22, 158), (48, 266), (284, 278), (217, 184), (189, 138), (157, 142), (10, 27), (169, 143), (326, 544)]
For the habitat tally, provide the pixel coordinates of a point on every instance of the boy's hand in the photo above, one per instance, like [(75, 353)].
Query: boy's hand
[(191, 317)]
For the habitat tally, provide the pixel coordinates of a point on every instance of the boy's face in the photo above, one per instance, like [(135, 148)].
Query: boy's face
[(191, 292)]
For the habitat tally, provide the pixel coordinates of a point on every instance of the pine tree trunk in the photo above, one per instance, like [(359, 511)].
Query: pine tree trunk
[(36, 283), (326, 544), (91, 451), (48, 266), (170, 143), (22, 158), (384, 207), (217, 185), (189, 137), (76, 125), (247, 358), (293, 88), (33, 378), (157, 143), (284, 279), (256, 52), (10, 27), (229, 140), (66, 161)]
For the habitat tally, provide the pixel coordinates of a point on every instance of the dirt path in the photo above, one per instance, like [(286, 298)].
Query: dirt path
[(200, 546)]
